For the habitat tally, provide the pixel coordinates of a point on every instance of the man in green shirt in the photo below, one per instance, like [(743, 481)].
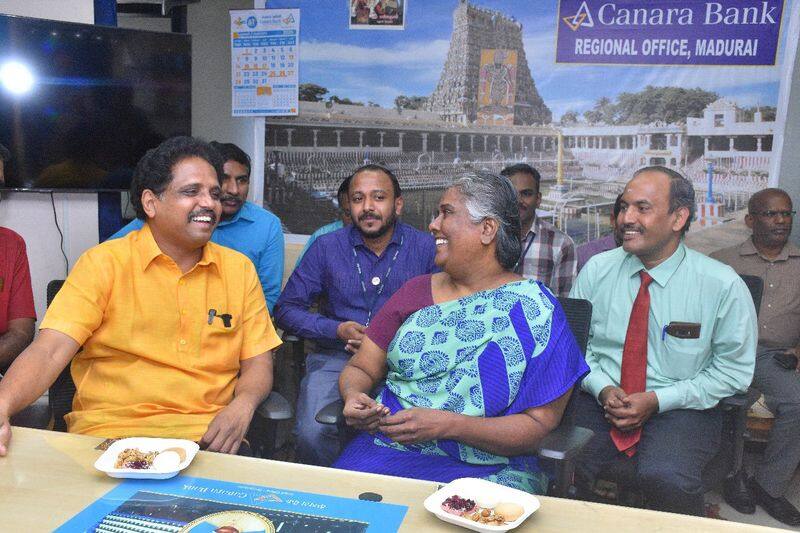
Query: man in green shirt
[(673, 332)]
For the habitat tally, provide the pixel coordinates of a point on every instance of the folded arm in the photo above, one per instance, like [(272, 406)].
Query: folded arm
[(18, 336), (509, 435)]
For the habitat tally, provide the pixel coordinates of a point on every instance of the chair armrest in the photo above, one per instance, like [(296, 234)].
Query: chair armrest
[(275, 407), (564, 442), (331, 414)]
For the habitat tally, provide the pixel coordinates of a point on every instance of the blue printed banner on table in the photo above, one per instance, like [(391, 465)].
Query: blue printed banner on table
[(195, 505), (674, 32), (264, 62)]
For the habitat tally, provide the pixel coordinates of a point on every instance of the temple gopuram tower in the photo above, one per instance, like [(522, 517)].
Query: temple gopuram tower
[(477, 29)]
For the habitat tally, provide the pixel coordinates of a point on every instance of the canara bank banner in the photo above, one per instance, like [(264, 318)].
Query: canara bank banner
[(586, 91), (678, 32)]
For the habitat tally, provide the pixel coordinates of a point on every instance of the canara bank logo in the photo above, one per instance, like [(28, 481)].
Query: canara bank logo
[(582, 18), (289, 19), (252, 22)]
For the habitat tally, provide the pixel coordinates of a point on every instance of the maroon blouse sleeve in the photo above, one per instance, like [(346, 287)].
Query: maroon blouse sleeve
[(411, 297)]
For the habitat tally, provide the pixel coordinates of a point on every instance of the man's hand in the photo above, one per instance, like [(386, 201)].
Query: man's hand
[(796, 353), (417, 424), (5, 435), (637, 408), (227, 429), (611, 397), (351, 332), (362, 412)]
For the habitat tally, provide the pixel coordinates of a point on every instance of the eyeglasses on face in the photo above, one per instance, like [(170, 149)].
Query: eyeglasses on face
[(774, 214)]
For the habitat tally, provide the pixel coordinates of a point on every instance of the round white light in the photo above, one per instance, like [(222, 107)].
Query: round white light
[(16, 77)]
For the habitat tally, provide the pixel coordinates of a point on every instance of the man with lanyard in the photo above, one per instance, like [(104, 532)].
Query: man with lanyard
[(245, 227), (548, 254), (352, 272)]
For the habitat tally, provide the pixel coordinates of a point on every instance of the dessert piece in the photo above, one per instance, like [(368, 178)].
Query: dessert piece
[(177, 449), (509, 511), (167, 460), (135, 459), (457, 505), (487, 501)]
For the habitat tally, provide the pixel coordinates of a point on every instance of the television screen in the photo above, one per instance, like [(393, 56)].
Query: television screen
[(80, 104)]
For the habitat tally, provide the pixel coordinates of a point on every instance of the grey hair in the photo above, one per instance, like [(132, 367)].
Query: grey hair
[(681, 192), (487, 195)]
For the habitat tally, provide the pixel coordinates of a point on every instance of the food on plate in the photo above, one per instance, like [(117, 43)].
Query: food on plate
[(487, 501), (177, 449), (167, 460), (457, 505), (135, 459), (509, 511)]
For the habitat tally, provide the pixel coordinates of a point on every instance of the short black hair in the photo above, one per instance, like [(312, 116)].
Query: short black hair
[(522, 168), (681, 191), (343, 188), (5, 154), (231, 152), (154, 170), (378, 168), (617, 206)]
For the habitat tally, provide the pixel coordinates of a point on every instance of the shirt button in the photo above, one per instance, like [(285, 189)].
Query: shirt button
[(183, 311), (183, 341), (769, 305), (181, 282), (771, 285)]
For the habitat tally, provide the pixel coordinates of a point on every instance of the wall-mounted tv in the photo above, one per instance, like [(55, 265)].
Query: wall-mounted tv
[(80, 104)]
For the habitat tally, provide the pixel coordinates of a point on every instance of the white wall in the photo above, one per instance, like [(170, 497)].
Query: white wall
[(786, 147), (209, 25), (31, 214)]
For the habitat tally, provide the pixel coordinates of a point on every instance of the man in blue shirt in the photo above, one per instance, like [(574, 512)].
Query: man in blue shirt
[(351, 272), (673, 332), (244, 226), (343, 220)]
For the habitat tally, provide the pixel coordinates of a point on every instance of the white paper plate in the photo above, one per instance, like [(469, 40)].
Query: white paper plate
[(105, 463), (472, 488)]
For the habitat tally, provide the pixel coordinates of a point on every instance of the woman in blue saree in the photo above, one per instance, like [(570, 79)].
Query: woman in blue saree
[(479, 363)]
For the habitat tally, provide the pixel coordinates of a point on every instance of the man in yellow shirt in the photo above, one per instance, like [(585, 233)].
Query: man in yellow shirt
[(175, 336)]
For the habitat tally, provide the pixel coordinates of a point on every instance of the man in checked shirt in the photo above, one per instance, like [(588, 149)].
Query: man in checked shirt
[(548, 254)]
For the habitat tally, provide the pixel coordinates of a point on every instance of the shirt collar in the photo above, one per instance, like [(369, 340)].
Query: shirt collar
[(662, 272), (789, 250), (356, 239), (149, 250), (244, 213)]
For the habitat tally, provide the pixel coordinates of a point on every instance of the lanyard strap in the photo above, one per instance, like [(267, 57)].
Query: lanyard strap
[(382, 283), (518, 268)]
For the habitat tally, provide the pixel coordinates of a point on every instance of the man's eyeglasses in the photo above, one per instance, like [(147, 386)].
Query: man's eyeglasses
[(775, 214)]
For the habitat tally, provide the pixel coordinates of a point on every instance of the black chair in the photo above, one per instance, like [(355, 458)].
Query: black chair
[(261, 434), (726, 466), (561, 446)]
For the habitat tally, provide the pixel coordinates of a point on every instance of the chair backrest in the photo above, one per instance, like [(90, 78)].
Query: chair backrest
[(62, 390), (756, 286), (579, 318)]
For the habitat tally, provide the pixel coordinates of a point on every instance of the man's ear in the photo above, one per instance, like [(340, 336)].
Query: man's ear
[(748, 220), (398, 205), (489, 229), (682, 214), (149, 199)]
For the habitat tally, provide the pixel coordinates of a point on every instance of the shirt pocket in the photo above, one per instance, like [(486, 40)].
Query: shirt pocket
[(684, 358)]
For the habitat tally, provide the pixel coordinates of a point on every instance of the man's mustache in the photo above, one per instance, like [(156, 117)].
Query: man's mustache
[(369, 216), (230, 198)]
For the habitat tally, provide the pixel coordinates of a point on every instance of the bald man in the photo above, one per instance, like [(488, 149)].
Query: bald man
[(769, 255)]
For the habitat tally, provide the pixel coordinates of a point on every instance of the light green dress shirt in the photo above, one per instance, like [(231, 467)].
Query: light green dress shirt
[(687, 287)]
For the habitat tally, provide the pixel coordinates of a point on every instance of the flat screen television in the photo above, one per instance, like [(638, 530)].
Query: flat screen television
[(81, 104)]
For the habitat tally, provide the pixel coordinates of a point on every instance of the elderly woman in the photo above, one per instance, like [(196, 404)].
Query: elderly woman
[(479, 362)]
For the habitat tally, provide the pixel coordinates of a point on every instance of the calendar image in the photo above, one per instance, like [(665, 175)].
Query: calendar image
[(264, 62)]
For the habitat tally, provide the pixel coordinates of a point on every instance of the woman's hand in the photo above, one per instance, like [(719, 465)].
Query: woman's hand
[(417, 424), (362, 412)]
